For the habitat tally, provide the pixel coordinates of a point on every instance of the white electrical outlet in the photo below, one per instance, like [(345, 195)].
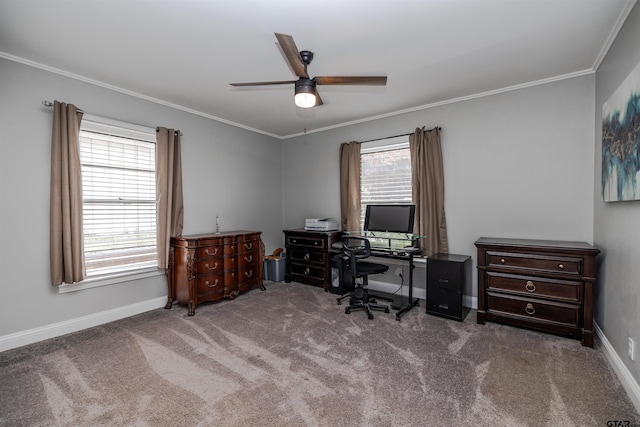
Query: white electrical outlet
[(398, 272), (632, 346)]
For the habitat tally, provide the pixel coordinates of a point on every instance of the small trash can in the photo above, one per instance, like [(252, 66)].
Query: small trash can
[(274, 266)]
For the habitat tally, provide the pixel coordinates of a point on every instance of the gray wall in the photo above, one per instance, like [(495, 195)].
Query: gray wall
[(229, 172), (617, 225), (517, 164)]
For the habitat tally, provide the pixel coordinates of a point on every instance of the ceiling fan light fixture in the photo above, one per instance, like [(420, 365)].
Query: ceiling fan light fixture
[(305, 93)]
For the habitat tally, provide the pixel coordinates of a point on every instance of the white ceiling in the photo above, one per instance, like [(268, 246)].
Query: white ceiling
[(185, 53)]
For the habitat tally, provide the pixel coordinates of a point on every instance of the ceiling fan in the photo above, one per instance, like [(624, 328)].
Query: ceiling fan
[(306, 94)]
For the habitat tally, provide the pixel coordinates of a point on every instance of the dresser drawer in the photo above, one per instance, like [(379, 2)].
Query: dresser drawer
[(248, 277), (534, 262), (536, 287), (209, 266), (306, 242), (312, 271), (248, 259), (209, 252), (251, 246), (209, 283), (307, 256), (534, 309)]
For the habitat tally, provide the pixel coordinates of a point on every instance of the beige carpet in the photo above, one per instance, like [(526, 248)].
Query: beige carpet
[(289, 356)]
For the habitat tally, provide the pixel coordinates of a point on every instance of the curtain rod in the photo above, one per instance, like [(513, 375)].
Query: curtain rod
[(396, 136), (49, 104)]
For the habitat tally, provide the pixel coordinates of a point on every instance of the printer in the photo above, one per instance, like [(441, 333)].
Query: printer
[(320, 224)]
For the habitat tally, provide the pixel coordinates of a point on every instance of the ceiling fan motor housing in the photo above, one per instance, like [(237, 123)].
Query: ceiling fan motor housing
[(304, 85)]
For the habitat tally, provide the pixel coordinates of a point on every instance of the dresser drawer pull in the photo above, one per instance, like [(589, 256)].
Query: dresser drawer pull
[(215, 266), (210, 285), (561, 266), (248, 273), (306, 257), (529, 309), (307, 271), (530, 286), (248, 245), (248, 258), (502, 260), (206, 251)]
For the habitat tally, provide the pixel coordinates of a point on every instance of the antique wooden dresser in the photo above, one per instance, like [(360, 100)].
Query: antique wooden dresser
[(538, 284), (209, 267)]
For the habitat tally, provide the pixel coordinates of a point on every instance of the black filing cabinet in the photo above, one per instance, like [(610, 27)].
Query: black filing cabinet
[(448, 275)]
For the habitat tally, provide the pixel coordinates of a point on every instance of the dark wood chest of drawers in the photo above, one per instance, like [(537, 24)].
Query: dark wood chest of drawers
[(209, 267), (538, 284), (308, 254)]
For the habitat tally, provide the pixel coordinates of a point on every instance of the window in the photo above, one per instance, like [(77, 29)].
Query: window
[(385, 178), (385, 173), (119, 197)]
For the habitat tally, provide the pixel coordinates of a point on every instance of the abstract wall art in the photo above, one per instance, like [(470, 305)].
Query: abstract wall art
[(621, 141)]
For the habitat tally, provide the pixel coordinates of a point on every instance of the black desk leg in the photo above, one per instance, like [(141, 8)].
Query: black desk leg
[(413, 302)]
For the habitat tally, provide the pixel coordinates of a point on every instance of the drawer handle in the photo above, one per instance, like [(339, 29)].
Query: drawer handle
[(215, 266), (530, 286), (529, 309), (248, 273), (248, 258), (306, 271), (210, 285), (248, 245), (561, 266), (306, 257), (502, 260), (206, 251)]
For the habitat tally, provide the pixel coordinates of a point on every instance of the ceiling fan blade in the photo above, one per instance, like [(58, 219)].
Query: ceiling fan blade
[(263, 83), (293, 55), (354, 80)]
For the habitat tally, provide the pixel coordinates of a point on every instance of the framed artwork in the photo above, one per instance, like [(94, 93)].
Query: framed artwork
[(621, 141)]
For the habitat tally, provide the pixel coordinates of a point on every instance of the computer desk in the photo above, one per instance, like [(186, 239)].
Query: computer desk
[(405, 304)]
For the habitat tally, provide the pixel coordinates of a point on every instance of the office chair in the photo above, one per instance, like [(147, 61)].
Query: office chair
[(358, 248)]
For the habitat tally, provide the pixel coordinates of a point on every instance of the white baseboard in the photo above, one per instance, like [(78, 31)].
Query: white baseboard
[(421, 293), (19, 339), (628, 382)]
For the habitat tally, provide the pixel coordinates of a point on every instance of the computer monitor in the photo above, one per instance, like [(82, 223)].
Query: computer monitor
[(390, 218)]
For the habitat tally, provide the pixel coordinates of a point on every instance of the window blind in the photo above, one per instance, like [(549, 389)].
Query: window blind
[(119, 198), (385, 175)]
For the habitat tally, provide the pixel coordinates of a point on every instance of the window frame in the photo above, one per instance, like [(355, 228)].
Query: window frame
[(122, 275), (387, 240), (388, 144)]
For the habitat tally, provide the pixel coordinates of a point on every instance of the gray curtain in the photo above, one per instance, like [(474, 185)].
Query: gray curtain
[(170, 217), (350, 186), (66, 249), (427, 180)]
